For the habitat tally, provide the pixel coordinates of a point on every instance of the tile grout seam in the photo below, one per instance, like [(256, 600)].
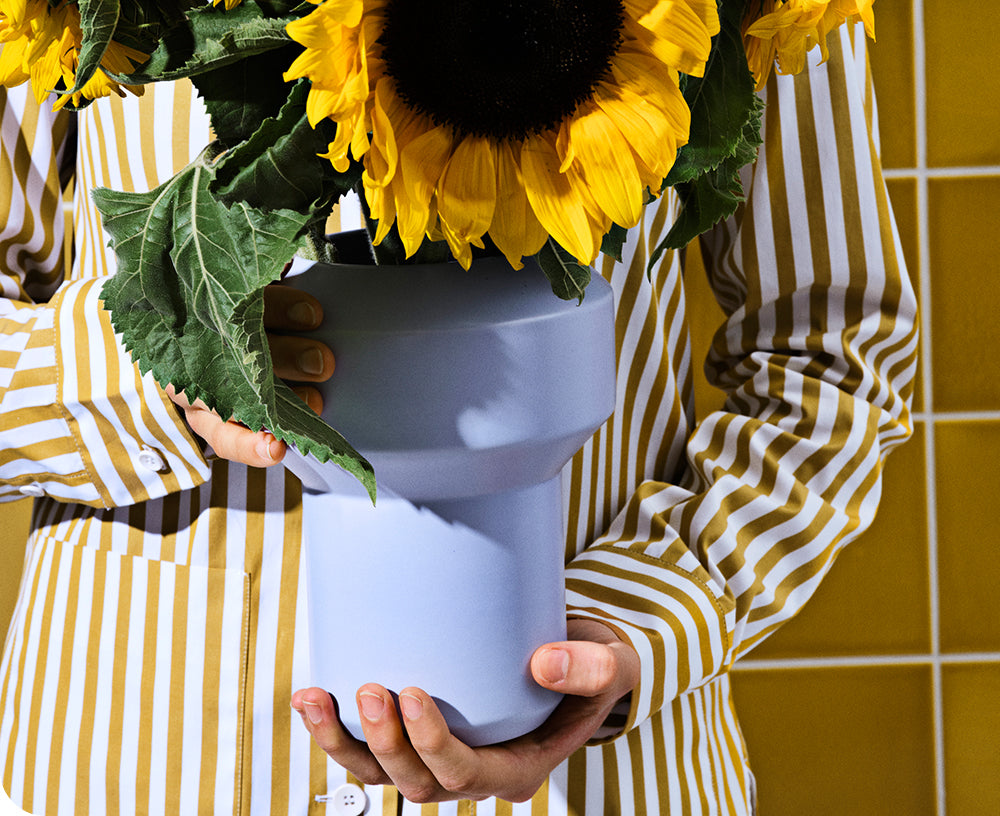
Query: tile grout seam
[(955, 416), (930, 465), (923, 173), (871, 661)]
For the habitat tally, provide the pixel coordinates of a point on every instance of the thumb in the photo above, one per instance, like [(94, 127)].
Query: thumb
[(582, 668)]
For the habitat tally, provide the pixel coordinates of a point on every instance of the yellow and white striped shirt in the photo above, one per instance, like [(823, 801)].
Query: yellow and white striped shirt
[(159, 631)]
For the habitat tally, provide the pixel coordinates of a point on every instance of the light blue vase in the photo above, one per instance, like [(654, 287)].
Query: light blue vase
[(468, 392)]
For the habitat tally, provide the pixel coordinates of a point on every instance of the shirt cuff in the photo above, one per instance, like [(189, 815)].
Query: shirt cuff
[(668, 614), (134, 443)]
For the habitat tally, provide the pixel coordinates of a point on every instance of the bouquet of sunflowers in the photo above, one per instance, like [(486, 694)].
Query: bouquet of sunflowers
[(527, 128)]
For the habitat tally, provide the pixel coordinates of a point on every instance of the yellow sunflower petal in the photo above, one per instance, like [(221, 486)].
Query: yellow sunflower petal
[(434, 232), (382, 206), (421, 163), (12, 63), (867, 15), (605, 162), (310, 30), (658, 88), (393, 127), (461, 249), (467, 190), (515, 228), (600, 222), (380, 164), (46, 72), (646, 127), (17, 12), (319, 105), (344, 140), (677, 34), (787, 31), (654, 12), (334, 60), (557, 205), (309, 63)]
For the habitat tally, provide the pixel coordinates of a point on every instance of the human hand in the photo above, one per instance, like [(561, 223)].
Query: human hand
[(427, 764), (293, 357)]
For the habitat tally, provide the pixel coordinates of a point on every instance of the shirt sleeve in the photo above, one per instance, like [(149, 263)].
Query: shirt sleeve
[(817, 357), (78, 422)]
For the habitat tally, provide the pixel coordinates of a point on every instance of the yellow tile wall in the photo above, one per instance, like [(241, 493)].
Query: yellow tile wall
[(883, 697)]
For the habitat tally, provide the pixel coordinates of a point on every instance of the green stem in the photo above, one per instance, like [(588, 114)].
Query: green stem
[(388, 252), (317, 248)]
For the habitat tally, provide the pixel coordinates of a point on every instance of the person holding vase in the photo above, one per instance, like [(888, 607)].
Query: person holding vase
[(156, 660)]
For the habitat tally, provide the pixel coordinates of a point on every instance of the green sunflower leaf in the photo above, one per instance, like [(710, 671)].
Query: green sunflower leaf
[(141, 23), (245, 95), (208, 37), (281, 8), (188, 302), (98, 19), (614, 241), (725, 134), (713, 195), (278, 166), (568, 277)]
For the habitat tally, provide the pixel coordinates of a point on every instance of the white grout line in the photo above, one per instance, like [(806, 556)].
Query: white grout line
[(870, 661), (969, 657), (924, 172), (930, 469), (956, 416)]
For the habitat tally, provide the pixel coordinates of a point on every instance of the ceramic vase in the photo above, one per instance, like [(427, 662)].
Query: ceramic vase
[(468, 391)]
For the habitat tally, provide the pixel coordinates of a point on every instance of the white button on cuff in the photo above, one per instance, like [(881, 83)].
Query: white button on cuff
[(33, 489), (151, 460), (349, 800)]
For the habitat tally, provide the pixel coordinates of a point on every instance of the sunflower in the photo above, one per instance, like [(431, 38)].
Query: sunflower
[(512, 120), (41, 42), (793, 27)]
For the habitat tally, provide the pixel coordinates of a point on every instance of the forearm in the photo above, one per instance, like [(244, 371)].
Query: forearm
[(79, 421), (817, 356)]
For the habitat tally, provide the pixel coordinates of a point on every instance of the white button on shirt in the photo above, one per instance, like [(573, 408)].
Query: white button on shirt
[(349, 800), (151, 460), (33, 489)]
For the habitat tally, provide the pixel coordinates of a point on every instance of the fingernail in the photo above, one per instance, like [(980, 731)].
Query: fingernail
[(311, 361), (411, 706), (554, 664), (263, 448), (313, 712), (302, 314), (372, 706)]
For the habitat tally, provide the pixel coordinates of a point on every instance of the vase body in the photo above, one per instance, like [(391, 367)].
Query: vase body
[(468, 392)]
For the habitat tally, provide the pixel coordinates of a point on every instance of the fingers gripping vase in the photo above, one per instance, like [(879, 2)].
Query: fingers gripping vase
[(468, 392)]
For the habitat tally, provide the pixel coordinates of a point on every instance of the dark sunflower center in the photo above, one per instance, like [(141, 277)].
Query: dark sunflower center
[(500, 68)]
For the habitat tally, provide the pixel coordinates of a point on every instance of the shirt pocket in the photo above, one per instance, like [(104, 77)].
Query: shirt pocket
[(123, 684)]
